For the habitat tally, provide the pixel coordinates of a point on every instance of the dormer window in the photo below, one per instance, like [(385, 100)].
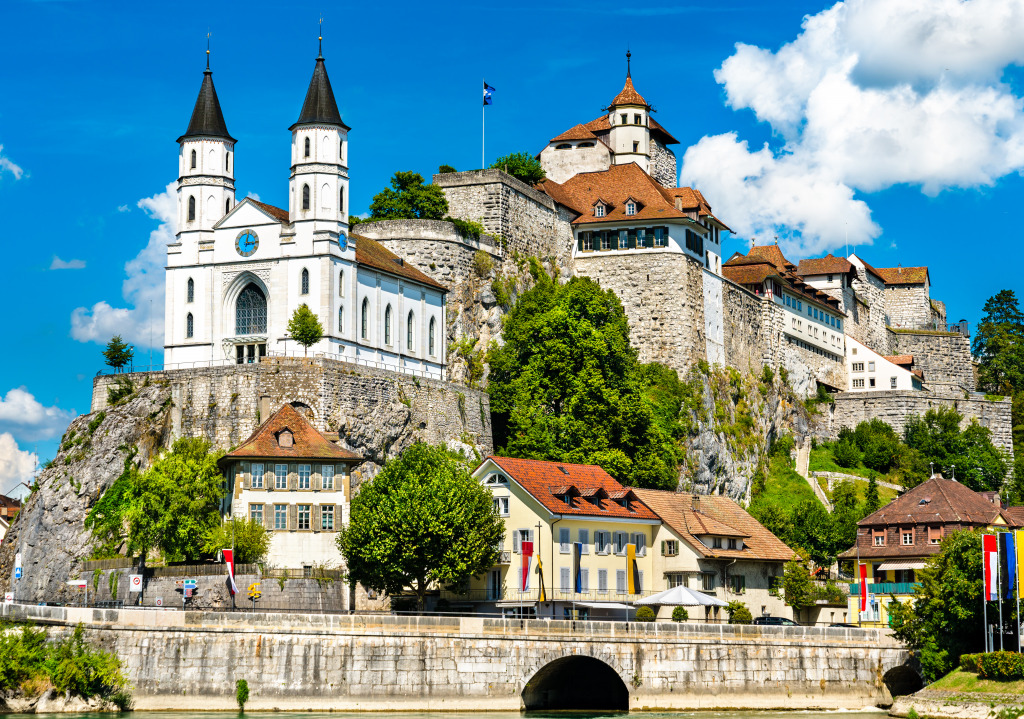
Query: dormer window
[(285, 439), (598, 210), (563, 146), (630, 208), (716, 542), (584, 144)]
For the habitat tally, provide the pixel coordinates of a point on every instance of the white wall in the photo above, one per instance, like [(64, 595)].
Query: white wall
[(876, 368)]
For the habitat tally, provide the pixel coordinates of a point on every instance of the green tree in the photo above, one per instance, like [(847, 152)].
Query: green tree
[(815, 531), (522, 166), (846, 453), (408, 198), (566, 386), (999, 345), (679, 614), (645, 614), (871, 499), (796, 585), (968, 454), (773, 518), (846, 512), (422, 521), (943, 621), (249, 538), (118, 353), (738, 613), (305, 328)]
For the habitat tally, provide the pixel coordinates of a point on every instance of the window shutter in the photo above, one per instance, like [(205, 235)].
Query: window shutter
[(613, 240), (585, 540), (515, 541), (648, 238), (579, 242), (293, 516), (641, 587), (585, 580), (620, 581), (529, 535), (268, 516), (663, 548), (566, 583), (293, 478), (316, 481), (315, 518)]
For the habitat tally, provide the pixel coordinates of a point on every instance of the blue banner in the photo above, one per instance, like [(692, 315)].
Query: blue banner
[(577, 574), (1008, 562), (488, 90)]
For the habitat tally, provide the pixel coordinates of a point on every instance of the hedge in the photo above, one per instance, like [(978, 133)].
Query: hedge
[(1001, 666)]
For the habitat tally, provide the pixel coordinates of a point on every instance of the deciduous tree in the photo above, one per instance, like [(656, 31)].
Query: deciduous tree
[(409, 198), (305, 328), (522, 166)]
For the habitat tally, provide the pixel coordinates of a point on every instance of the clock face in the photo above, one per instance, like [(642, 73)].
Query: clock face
[(342, 240), (246, 243)]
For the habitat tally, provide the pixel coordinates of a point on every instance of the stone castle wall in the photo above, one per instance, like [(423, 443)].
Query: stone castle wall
[(663, 164), (894, 407), (866, 318), (908, 306), (746, 336), (945, 358)]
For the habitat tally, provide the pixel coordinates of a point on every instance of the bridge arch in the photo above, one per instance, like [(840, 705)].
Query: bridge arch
[(579, 682), (902, 680)]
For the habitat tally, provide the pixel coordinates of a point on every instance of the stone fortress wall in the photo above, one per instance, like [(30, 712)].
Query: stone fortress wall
[(908, 306), (663, 164), (945, 357)]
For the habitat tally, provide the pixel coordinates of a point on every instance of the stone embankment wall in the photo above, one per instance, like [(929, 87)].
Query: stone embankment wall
[(894, 407), (945, 358), (181, 660)]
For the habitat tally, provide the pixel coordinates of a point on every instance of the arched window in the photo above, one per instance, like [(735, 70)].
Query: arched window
[(365, 318), (387, 325), (341, 283), (251, 311), (563, 146), (325, 147), (227, 161), (305, 197), (193, 159), (305, 281), (227, 206), (341, 200), (211, 207), (341, 319), (408, 333), (430, 338), (191, 208), (189, 326), (307, 147), (190, 292), (585, 144), (325, 197)]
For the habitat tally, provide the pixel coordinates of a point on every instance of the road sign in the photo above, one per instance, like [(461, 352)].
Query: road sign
[(79, 583), (134, 582), (190, 584), (9, 598), (17, 565), (159, 601), (188, 591)]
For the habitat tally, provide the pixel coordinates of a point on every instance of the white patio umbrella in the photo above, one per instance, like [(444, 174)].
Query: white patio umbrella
[(682, 597)]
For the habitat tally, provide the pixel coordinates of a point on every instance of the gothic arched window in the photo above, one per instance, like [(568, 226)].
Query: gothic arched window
[(191, 208), (408, 332), (305, 281), (325, 197), (227, 161), (227, 206), (189, 325), (190, 292), (251, 311), (430, 338), (365, 318), (305, 197), (341, 319), (193, 159), (387, 325), (341, 200), (307, 147), (341, 283)]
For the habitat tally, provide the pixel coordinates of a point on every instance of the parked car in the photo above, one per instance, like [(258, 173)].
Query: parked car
[(768, 620), (843, 624)]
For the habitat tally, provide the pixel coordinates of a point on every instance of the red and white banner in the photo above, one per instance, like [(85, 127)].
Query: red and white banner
[(229, 559), (990, 559), (526, 548), (863, 587)]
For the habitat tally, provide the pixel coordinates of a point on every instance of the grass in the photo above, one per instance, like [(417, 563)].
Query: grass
[(785, 488), (961, 681), (823, 461)]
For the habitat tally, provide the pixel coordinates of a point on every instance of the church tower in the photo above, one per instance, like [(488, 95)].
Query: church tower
[(206, 166), (630, 118), (318, 192)]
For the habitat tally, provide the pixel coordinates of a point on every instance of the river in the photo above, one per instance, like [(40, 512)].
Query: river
[(867, 713)]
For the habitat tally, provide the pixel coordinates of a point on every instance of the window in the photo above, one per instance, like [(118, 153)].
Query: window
[(501, 506), (670, 548), (892, 383), (304, 281), (584, 144), (602, 581), (189, 326), (620, 581), (871, 366), (365, 318), (640, 543), (732, 543), (305, 197), (707, 582), (251, 311), (256, 513), (280, 516), (586, 241), (904, 576), (858, 366), (739, 583), (280, 476), (675, 579), (583, 536), (303, 515), (519, 536), (190, 292), (624, 117), (341, 283), (694, 243), (601, 542), (325, 197), (907, 537), (858, 384), (193, 159), (304, 476), (564, 146), (227, 206), (327, 476), (227, 161), (341, 320), (387, 325), (829, 278), (598, 210), (620, 541), (934, 535), (630, 208), (871, 382), (565, 579), (430, 338), (256, 476), (306, 144), (563, 540), (878, 537), (637, 119), (191, 208), (716, 542), (661, 237), (327, 517), (408, 332), (636, 146)]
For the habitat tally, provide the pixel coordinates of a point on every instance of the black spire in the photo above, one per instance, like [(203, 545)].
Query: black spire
[(207, 119), (320, 107)]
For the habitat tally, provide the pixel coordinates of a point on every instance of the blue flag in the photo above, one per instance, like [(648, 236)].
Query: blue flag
[(577, 575), (1008, 560), (488, 90)]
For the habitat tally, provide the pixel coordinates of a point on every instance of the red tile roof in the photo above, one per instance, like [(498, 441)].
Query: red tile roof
[(827, 265), (764, 261), (937, 500), (575, 133), (276, 212), (628, 96), (716, 515), (871, 269), (900, 359), (543, 480), (373, 254), (903, 275), (307, 443), (602, 125)]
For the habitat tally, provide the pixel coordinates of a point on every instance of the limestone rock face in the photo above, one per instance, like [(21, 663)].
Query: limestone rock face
[(49, 531)]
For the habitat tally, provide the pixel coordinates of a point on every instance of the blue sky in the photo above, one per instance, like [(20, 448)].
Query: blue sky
[(814, 130)]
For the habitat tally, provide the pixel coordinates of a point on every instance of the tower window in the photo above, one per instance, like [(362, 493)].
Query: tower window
[(189, 325), (636, 146), (227, 206), (305, 281), (305, 197), (191, 208), (387, 325), (341, 200), (623, 117), (365, 319), (341, 319), (190, 292), (408, 332), (325, 197), (227, 161), (193, 159), (637, 119), (430, 338), (341, 283), (251, 311), (307, 147)]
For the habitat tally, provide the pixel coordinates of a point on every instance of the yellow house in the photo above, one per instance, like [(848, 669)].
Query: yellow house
[(554, 506)]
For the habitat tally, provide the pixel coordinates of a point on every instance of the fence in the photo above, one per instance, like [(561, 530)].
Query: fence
[(886, 588)]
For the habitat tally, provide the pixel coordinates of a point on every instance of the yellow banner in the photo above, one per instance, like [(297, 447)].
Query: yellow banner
[(1018, 540), (542, 596), (631, 587)]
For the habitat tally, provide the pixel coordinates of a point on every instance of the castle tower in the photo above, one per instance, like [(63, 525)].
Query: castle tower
[(318, 188), (206, 166), (630, 119)]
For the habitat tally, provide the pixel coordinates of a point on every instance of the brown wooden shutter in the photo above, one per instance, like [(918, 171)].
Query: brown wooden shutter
[(293, 477), (243, 470), (268, 516), (317, 481), (315, 518), (293, 516)]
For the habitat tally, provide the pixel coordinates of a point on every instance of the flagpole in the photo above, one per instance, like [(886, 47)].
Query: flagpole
[(483, 128), (999, 590)]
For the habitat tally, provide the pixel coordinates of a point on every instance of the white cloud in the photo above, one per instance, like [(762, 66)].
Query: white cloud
[(253, 195), (871, 94), (59, 264), (143, 288), (16, 466), (123, 208), (7, 166), (24, 416)]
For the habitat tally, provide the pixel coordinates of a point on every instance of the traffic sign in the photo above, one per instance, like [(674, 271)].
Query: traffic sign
[(79, 583), (190, 584), (17, 565), (9, 598), (159, 601), (134, 582)]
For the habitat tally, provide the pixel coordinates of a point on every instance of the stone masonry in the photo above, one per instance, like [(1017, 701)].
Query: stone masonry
[(908, 306), (945, 358), (309, 662), (663, 164)]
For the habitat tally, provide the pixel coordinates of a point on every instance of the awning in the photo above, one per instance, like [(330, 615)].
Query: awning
[(901, 564), (682, 597), (604, 605)]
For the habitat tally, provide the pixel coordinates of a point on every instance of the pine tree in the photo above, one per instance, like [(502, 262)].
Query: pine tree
[(305, 328), (999, 345), (118, 353), (871, 499)]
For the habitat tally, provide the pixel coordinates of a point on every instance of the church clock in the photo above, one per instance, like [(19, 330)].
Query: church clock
[(246, 243)]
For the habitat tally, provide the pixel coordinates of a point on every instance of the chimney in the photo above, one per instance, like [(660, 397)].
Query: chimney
[(696, 503)]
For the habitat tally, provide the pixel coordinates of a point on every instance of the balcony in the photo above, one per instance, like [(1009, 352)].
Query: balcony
[(504, 557), (886, 588), (553, 595)]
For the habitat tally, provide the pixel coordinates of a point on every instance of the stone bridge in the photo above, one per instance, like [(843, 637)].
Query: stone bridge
[(186, 660)]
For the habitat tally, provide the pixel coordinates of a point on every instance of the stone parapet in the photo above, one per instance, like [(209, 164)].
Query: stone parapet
[(944, 357)]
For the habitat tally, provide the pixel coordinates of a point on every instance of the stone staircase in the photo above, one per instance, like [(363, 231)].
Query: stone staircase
[(803, 462)]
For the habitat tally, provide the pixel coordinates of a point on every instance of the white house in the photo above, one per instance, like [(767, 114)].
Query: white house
[(238, 271), (870, 372)]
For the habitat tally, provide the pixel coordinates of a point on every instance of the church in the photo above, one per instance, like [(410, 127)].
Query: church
[(238, 270)]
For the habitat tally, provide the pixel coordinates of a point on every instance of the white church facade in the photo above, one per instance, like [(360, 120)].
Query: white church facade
[(238, 270)]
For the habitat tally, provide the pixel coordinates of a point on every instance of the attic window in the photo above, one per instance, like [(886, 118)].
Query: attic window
[(585, 144), (599, 210), (630, 208), (285, 439), (563, 470), (563, 146)]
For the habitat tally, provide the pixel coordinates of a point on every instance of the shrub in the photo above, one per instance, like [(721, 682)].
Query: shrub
[(521, 165), (846, 453), (782, 446), (120, 390), (970, 663), (466, 228), (767, 375), (1001, 666), (679, 614), (482, 263), (445, 169), (738, 613), (249, 538), (82, 671), (645, 614), (241, 693)]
